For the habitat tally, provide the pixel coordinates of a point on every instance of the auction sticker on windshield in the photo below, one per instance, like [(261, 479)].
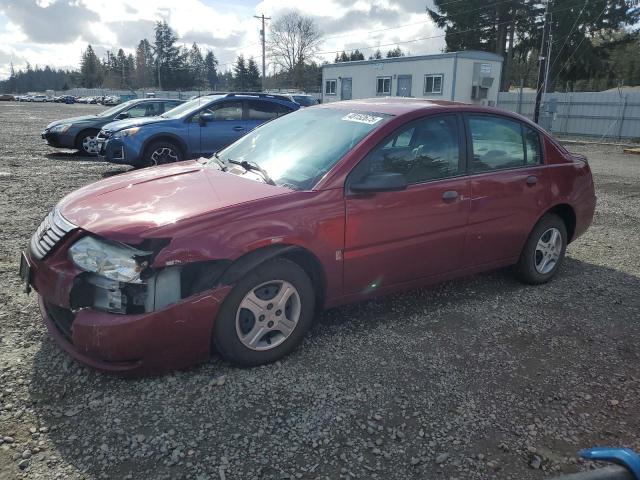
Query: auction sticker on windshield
[(362, 118)]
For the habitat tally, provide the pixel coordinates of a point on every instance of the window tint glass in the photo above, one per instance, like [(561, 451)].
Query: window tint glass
[(426, 150), (260, 110), (222, 111), (169, 105), (497, 143), (532, 144), (139, 110)]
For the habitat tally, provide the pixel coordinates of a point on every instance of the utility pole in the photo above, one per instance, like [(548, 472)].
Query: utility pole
[(543, 59), (262, 35)]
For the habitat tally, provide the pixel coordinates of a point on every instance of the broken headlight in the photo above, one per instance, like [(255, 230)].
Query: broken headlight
[(116, 261)]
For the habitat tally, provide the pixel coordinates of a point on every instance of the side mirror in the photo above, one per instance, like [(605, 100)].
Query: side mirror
[(206, 117), (122, 116), (380, 182)]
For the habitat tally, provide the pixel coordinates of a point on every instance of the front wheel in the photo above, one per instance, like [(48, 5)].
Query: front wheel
[(544, 251), (161, 153), (87, 143), (266, 315)]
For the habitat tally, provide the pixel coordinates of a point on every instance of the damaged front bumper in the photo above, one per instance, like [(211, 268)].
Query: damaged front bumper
[(129, 329)]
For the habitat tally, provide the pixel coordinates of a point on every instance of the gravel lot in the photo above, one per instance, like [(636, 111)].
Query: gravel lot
[(477, 378)]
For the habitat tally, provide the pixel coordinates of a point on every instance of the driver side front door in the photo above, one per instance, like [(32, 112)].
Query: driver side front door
[(227, 126)]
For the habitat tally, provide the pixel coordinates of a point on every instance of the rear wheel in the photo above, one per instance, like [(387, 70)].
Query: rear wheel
[(266, 315), (161, 153), (87, 143), (544, 251)]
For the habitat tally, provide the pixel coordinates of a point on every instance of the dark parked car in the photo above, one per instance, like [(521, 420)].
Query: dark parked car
[(5, 97), (80, 132), (332, 204), (196, 128)]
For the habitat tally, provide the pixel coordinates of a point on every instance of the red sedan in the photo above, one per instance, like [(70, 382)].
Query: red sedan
[(153, 269)]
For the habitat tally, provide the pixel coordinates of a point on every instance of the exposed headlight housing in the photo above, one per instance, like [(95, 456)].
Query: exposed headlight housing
[(112, 260), (60, 128), (127, 132)]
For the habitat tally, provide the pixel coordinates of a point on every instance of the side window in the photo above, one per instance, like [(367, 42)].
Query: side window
[(330, 87), (154, 109), (497, 143), (137, 111), (261, 110), (222, 111), (424, 150), (170, 105), (533, 147), (383, 86)]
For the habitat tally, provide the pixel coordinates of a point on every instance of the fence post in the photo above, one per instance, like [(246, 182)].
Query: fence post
[(624, 109), (566, 121), (519, 109)]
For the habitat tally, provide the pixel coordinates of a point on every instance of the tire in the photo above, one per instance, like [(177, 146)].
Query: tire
[(86, 142), (236, 326), (544, 251), (161, 153)]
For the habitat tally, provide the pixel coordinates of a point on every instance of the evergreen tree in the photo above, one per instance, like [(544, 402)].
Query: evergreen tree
[(240, 74), (377, 55), (356, 55), (211, 69), (197, 67), (144, 65), (89, 68), (344, 57), (395, 52), (254, 83), (170, 59)]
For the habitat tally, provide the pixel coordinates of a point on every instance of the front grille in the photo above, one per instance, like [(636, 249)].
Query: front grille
[(53, 228)]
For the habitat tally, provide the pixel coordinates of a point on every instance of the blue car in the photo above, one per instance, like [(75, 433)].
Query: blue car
[(194, 129)]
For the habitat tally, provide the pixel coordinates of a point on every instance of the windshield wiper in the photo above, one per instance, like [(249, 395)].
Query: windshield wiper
[(253, 166), (218, 160)]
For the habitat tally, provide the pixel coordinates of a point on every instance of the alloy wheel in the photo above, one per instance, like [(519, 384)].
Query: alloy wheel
[(163, 155), (548, 251), (90, 144), (267, 315)]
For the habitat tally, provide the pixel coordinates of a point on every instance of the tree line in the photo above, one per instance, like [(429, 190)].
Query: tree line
[(593, 45)]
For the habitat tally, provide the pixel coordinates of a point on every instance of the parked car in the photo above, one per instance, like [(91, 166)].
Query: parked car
[(152, 269), (80, 132), (196, 128), (39, 98), (304, 100), (111, 100), (5, 97)]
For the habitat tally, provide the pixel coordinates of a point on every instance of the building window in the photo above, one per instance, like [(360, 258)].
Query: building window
[(433, 84), (383, 86), (330, 87)]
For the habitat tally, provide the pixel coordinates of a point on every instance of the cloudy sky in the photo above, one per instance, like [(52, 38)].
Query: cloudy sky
[(54, 32)]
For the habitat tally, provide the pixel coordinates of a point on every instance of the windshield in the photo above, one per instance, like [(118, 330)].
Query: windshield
[(117, 109), (297, 150), (189, 107), (305, 100)]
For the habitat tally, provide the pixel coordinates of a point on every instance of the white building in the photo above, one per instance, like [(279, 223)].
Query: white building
[(470, 77)]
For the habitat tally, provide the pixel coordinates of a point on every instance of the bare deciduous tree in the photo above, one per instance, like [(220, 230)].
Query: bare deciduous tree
[(293, 41)]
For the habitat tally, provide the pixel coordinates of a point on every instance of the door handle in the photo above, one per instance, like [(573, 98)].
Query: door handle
[(532, 180), (238, 129), (449, 195)]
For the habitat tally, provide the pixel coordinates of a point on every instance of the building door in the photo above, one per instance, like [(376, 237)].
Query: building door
[(345, 89), (404, 85)]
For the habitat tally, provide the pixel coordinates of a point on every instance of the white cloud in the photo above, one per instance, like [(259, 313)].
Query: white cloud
[(54, 32)]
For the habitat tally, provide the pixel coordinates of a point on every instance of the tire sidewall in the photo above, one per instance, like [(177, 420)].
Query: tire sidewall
[(80, 141), (225, 338), (154, 146), (526, 265)]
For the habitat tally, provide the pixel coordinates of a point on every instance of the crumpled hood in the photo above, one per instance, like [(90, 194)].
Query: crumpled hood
[(133, 122), (126, 206), (71, 120)]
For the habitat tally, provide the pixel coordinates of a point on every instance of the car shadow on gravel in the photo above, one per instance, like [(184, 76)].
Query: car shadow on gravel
[(106, 425), (71, 156)]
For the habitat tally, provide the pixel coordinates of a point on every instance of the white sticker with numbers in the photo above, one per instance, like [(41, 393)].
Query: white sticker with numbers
[(362, 118)]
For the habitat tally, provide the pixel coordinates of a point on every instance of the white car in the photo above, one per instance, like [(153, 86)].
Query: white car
[(39, 98)]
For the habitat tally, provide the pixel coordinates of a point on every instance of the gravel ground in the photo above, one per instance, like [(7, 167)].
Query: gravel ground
[(477, 378)]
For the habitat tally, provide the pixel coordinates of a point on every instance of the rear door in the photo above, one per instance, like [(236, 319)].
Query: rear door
[(393, 237), (205, 138), (509, 187)]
